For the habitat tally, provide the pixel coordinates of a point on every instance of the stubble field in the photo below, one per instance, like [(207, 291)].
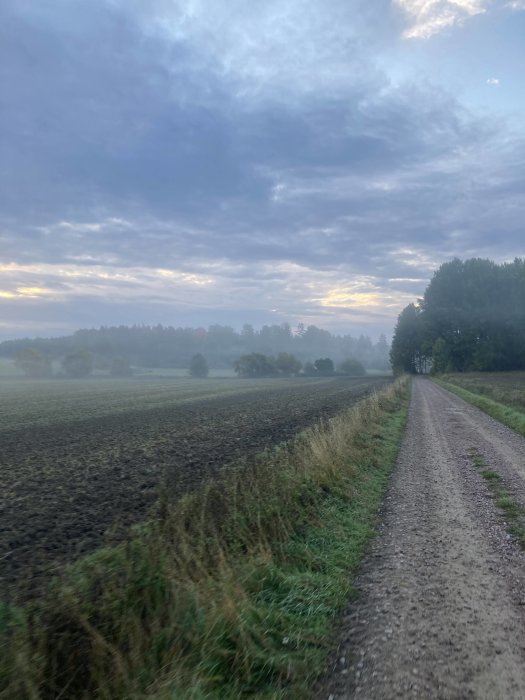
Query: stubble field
[(82, 461)]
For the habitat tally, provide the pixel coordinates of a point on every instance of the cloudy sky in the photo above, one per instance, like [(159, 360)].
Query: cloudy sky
[(197, 161)]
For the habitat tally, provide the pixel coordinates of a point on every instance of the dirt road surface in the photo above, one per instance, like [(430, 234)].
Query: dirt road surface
[(441, 605)]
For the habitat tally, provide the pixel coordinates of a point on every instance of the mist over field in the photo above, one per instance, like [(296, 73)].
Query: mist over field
[(126, 351)]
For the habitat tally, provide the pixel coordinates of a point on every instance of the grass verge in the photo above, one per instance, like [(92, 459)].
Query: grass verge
[(513, 512), (507, 415), (231, 592)]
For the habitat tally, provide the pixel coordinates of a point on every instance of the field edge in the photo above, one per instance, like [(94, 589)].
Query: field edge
[(233, 590)]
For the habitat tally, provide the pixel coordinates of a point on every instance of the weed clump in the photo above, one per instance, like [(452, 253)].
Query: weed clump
[(513, 512), (490, 475)]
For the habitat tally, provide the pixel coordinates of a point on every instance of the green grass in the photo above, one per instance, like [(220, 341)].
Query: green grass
[(512, 511), (507, 388), (490, 475), (508, 415), (231, 592)]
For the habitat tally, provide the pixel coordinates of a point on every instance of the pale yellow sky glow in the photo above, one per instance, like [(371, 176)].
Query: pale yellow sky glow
[(33, 291), (348, 297), (97, 272), (25, 293), (313, 292), (343, 298)]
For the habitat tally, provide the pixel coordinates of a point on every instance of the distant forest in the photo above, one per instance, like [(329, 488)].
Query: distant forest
[(167, 347), (471, 318)]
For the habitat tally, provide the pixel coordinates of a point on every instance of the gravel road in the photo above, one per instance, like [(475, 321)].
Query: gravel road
[(441, 605)]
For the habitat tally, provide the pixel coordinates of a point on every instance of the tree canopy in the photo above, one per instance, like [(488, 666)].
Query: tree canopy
[(471, 318), (255, 365), (324, 366), (352, 367), (287, 363)]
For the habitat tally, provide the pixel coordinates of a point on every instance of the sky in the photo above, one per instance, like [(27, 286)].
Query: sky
[(191, 162)]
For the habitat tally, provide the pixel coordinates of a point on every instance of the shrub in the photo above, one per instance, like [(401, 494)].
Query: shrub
[(255, 365), (198, 366), (352, 368)]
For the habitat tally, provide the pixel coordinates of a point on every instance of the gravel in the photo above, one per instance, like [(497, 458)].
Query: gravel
[(441, 605)]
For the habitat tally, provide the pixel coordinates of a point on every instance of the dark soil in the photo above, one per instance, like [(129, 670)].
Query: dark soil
[(63, 487)]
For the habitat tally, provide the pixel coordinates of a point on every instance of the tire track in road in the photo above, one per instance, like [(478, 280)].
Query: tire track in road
[(441, 609)]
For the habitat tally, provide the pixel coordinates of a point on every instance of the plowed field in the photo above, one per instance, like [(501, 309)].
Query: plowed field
[(79, 458)]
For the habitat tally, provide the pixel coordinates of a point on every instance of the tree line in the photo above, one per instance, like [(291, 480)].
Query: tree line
[(285, 364), (471, 318), (169, 347), (80, 364)]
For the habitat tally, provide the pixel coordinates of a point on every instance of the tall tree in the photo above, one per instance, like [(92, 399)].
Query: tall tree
[(472, 317), (406, 350)]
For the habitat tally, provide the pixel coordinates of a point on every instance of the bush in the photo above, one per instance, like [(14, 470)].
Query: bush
[(352, 368), (198, 366), (255, 365)]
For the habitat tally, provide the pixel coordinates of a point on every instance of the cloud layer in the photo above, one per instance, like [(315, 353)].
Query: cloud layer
[(202, 162)]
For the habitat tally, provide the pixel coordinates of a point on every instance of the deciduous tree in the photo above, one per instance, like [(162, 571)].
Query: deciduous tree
[(255, 365), (287, 363), (352, 367)]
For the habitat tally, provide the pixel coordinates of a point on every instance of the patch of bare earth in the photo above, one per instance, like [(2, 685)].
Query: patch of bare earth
[(441, 606)]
